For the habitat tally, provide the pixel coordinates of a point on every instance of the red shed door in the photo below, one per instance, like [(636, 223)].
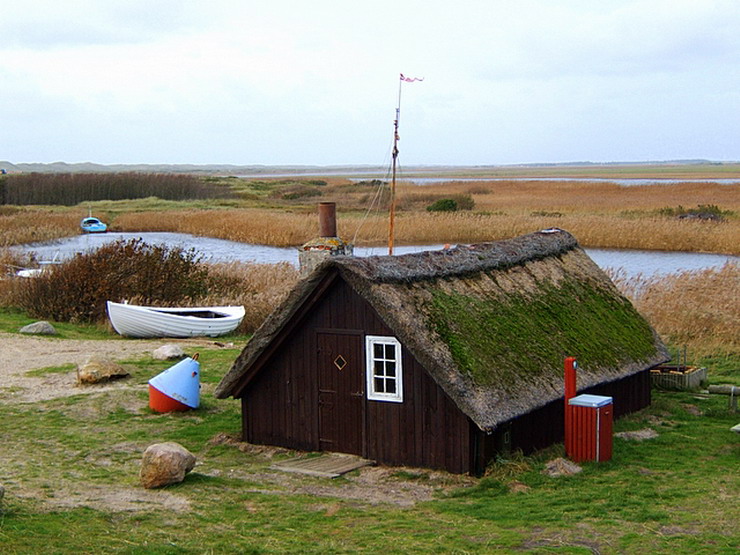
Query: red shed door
[(341, 392)]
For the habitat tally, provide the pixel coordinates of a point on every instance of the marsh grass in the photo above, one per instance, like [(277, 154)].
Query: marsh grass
[(70, 189), (35, 225), (698, 309), (258, 287), (598, 214)]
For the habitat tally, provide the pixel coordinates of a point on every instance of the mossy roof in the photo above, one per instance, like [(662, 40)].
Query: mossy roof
[(491, 323)]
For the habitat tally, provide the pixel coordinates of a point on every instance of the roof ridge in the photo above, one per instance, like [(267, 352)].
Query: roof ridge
[(459, 261)]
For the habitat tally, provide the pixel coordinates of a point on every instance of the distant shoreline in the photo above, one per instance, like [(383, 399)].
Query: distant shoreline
[(674, 169)]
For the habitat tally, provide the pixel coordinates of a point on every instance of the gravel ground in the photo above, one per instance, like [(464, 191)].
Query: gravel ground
[(20, 353)]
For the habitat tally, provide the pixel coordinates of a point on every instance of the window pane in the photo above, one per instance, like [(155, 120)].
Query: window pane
[(390, 368), (379, 386), (390, 352), (378, 369), (378, 350), (390, 386)]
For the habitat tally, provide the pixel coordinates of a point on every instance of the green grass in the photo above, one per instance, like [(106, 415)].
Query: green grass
[(63, 369), (722, 368), (64, 462), (12, 320)]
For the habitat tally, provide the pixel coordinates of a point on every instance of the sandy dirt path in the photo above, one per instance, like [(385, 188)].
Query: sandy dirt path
[(21, 353)]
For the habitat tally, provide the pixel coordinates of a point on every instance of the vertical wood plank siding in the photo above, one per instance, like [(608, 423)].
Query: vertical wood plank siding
[(281, 405), (546, 425)]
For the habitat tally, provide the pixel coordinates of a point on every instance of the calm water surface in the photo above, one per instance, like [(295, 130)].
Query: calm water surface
[(364, 176), (217, 250)]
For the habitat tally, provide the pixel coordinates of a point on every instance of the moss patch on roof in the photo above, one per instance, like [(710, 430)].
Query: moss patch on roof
[(505, 340)]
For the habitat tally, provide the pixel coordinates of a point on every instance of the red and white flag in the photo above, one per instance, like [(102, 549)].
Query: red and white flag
[(410, 79)]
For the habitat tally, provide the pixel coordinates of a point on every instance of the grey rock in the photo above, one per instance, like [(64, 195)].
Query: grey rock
[(39, 328), (561, 467), (165, 463), (168, 352)]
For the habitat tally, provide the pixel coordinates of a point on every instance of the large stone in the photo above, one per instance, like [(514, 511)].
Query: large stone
[(98, 369), (39, 328), (168, 352), (561, 467), (165, 463), (2, 493)]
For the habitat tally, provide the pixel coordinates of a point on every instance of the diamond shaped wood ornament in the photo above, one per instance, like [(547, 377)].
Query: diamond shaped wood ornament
[(340, 363)]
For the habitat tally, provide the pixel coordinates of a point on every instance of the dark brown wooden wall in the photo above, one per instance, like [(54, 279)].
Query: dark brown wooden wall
[(281, 405), (546, 425)]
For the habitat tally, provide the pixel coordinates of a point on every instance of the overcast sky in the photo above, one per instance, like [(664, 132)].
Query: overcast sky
[(317, 81)]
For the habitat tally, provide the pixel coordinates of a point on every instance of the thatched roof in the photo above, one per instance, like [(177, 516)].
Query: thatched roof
[(491, 323)]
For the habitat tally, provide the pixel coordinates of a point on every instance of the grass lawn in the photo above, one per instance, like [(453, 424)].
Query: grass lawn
[(70, 470)]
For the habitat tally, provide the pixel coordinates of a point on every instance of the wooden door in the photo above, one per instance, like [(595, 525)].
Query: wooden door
[(341, 392)]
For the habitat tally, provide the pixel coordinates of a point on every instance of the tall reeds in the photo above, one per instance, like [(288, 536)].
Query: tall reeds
[(258, 287), (69, 189), (596, 230), (699, 309), (598, 214), (19, 226)]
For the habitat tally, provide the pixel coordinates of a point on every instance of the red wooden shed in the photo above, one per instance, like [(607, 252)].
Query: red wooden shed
[(441, 359)]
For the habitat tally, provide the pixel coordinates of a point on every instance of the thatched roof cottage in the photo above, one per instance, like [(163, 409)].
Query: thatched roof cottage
[(441, 359)]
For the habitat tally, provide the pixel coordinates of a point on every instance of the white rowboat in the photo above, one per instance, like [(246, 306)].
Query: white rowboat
[(151, 321)]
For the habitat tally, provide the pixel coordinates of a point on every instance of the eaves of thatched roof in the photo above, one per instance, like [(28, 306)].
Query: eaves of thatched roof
[(491, 323)]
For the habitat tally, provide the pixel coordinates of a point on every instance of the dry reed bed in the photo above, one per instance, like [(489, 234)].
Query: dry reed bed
[(289, 229), (575, 196), (31, 226), (699, 309), (258, 287)]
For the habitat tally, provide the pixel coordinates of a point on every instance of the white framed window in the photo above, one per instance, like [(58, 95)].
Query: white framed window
[(383, 368)]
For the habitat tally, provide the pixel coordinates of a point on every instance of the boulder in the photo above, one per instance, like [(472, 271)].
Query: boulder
[(165, 463), (168, 352), (98, 369), (39, 328), (561, 467)]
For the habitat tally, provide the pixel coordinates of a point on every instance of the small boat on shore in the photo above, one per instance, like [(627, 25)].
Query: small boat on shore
[(151, 321), (93, 225)]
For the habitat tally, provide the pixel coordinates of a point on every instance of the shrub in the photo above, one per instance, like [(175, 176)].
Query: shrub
[(452, 204), (701, 212), (443, 205), (546, 214), (76, 290), (300, 191), (464, 201)]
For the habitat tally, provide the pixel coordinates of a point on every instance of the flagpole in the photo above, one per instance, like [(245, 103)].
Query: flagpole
[(392, 218)]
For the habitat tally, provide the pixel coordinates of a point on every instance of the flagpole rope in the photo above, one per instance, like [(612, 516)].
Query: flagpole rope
[(395, 169)]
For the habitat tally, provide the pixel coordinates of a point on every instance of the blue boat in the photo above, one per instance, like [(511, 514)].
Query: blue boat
[(93, 225)]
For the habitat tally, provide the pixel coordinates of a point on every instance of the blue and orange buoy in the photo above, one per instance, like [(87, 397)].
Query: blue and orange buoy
[(177, 388)]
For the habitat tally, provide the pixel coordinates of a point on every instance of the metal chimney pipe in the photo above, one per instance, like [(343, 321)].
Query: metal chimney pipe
[(327, 219)]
